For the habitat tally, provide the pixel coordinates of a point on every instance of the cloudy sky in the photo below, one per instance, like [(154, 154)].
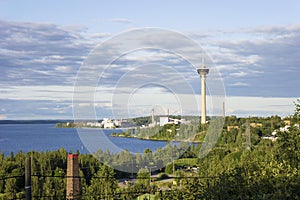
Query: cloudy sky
[(46, 45)]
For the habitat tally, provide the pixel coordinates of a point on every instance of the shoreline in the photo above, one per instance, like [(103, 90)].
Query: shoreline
[(155, 139)]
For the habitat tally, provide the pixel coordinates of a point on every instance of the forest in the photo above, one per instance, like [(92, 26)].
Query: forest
[(233, 169)]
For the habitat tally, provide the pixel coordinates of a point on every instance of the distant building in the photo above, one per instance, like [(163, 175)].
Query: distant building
[(287, 122), (273, 138), (229, 128), (167, 120), (163, 121), (109, 125), (284, 129), (255, 125), (94, 124), (184, 121), (117, 123)]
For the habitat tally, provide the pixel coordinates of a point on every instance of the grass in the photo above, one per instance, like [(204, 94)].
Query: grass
[(186, 162)]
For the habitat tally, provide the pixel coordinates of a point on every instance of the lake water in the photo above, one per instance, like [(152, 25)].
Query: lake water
[(42, 137)]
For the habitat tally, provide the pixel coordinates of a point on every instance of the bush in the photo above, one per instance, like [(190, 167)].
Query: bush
[(169, 169), (163, 176)]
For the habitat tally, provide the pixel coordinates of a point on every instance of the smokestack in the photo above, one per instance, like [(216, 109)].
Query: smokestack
[(153, 121), (72, 190)]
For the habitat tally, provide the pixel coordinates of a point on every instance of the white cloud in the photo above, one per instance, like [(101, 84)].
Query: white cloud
[(239, 74), (37, 93), (121, 20), (239, 84), (63, 68), (99, 35)]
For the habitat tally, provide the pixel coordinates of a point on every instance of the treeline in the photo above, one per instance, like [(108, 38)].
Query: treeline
[(168, 132)]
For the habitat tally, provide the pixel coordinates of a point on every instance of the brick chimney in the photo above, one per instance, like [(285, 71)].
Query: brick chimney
[(72, 190)]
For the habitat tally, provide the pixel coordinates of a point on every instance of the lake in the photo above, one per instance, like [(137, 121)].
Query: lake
[(42, 137)]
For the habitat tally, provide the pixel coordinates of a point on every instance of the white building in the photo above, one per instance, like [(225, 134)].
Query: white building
[(118, 122), (109, 125), (163, 121), (168, 120), (94, 124)]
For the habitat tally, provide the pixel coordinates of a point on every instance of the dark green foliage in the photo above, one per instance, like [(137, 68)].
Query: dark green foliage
[(139, 121), (65, 125), (289, 146), (169, 169), (162, 176), (297, 109), (103, 184)]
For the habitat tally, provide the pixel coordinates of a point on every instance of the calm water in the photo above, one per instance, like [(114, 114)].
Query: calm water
[(42, 137)]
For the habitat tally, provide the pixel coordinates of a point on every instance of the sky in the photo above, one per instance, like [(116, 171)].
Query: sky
[(252, 48)]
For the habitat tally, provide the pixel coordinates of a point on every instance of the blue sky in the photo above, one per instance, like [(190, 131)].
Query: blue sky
[(254, 45)]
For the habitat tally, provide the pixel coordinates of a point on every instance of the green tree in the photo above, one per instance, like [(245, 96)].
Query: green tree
[(297, 110), (11, 188), (192, 188), (59, 183), (143, 177), (289, 146), (103, 184)]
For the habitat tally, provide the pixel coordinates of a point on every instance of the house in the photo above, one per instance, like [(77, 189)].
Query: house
[(287, 122), (255, 125), (94, 124), (229, 128), (109, 125), (273, 138)]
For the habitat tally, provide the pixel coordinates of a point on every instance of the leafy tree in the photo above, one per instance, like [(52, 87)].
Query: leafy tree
[(11, 188), (143, 177), (297, 110), (289, 146), (103, 184)]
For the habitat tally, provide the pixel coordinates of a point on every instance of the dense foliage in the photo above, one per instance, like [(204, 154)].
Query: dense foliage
[(266, 169)]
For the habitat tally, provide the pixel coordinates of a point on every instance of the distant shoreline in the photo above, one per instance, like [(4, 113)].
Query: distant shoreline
[(153, 139), (32, 121)]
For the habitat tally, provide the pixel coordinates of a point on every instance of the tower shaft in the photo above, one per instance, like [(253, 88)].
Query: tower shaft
[(203, 72), (203, 92)]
